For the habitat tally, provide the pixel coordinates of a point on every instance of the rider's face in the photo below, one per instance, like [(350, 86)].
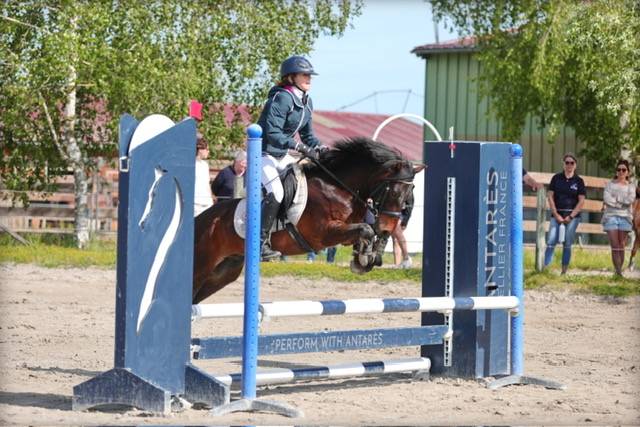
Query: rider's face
[(303, 81)]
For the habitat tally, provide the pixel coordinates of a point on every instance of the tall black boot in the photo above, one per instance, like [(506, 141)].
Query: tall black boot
[(269, 212)]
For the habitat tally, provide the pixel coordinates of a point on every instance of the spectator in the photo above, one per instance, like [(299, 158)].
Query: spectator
[(229, 183), (331, 254), (565, 197), (202, 196), (617, 219), (530, 181), (401, 256)]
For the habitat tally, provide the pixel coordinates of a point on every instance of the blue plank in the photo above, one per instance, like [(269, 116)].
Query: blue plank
[(333, 307), (398, 305), (317, 342)]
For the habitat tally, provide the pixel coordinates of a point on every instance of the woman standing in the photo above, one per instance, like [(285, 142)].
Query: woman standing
[(286, 113), (565, 196), (619, 195)]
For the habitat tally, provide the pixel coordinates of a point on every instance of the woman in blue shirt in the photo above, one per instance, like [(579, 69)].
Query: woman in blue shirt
[(566, 196), (286, 113)]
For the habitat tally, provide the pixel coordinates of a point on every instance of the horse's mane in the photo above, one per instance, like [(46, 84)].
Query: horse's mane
[(353, 153)]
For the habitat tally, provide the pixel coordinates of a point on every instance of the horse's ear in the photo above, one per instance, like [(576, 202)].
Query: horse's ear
[(418, 168)]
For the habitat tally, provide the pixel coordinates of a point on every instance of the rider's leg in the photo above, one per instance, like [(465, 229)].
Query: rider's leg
[(270, 205)]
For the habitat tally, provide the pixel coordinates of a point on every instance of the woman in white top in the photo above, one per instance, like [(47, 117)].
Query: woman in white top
[(619, 195), (202, 197)]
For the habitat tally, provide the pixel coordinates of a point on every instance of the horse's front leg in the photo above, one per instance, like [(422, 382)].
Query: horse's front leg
[(363, 239)]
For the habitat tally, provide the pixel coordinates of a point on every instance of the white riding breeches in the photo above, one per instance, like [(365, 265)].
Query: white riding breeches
[(271, 168)]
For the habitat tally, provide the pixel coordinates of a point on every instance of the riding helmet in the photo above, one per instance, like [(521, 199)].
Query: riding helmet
[(296, 64)]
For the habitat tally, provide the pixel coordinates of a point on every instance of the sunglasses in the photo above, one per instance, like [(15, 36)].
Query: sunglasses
[(621, 169), (569, 162)]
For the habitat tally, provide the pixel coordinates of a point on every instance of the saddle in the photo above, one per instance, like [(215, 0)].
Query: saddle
[(293, 203)]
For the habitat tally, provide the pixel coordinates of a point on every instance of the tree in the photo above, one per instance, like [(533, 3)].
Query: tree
[(568, 62), (69, 69)]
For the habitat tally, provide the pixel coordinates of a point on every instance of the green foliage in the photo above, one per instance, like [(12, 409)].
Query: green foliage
[(139, 58), (568, 62)]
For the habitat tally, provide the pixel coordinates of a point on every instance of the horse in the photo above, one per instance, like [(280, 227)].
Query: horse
[(356, 175), (636, 230)]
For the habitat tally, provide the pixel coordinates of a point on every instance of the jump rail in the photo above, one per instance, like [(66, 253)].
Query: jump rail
[(355, 306)]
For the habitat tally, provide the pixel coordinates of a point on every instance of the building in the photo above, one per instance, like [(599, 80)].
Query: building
[(451, 99)]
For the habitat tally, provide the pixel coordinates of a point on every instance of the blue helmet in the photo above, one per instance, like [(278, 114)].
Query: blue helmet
[(296, 64)]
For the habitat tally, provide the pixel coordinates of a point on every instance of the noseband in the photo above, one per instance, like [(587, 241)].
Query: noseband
[(380, 199)]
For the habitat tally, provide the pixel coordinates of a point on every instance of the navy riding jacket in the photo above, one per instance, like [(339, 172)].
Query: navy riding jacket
[(283, 116)]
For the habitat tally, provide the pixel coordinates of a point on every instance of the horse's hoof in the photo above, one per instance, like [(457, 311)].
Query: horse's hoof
[(356, 268), (364, 259)]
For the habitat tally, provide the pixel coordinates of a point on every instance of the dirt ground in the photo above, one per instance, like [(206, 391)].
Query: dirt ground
[(57, 327)]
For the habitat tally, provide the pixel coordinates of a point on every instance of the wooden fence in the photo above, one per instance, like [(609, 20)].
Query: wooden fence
[(54, 212)]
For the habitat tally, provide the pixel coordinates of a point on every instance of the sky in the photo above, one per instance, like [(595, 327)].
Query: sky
[(375, 56)]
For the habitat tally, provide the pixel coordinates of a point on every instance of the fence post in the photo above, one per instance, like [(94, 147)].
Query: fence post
[(541, 205)]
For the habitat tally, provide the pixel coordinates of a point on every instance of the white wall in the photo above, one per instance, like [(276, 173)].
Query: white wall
[(413, 232)]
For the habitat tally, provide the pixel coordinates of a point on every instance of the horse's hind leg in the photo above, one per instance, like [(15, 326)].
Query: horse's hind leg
[(224, 273)]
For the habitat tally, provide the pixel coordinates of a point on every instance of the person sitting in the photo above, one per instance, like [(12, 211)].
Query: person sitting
[(202, 193), (228, 184)]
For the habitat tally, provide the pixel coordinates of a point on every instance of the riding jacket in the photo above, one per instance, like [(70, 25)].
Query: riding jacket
[(284, 115)]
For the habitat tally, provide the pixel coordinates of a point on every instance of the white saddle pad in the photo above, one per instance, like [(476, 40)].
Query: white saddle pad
[(293, 213)]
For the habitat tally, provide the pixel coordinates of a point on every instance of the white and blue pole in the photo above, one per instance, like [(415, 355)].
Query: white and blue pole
[(252, 263), (517, 261)]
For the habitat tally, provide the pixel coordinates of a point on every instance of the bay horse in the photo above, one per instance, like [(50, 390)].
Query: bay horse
[(340, 182)]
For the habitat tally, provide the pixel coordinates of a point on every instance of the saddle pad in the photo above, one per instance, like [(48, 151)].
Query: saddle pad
[(293, 213)]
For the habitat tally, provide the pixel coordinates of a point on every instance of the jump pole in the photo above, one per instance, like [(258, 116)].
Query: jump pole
[(248, 401)]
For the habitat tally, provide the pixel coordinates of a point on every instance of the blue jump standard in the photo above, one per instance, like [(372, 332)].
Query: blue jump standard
[(315, 342)]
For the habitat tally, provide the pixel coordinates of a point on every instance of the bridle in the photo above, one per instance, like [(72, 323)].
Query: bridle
[(384, 188), (376, 208)]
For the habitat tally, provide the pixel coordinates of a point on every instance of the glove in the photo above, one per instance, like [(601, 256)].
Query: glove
[(321, 148), (306, 150)]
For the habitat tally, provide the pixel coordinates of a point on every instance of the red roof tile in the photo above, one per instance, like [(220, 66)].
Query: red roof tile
[(464, 44), (403, 134)]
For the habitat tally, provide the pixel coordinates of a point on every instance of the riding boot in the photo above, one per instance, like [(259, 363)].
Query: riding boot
[(269, 212)]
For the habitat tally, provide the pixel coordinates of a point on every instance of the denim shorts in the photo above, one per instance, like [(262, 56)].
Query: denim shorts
[(616, 222)]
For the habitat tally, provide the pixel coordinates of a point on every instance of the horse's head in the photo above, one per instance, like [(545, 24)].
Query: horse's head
[(373, 173), (392, 187)]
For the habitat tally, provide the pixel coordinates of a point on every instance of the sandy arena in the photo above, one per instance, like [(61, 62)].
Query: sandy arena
[(57, 329)]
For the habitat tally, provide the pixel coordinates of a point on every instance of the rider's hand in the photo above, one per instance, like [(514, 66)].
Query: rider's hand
[(321, 148), (306, 150)]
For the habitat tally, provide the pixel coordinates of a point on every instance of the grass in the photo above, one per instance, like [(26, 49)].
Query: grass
[(591, 270), (57, 251)]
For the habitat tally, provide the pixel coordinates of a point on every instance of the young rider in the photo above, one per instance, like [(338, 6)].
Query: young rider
[(287, 112)]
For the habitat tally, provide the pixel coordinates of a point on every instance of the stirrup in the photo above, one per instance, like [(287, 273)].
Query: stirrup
[(268, 254)]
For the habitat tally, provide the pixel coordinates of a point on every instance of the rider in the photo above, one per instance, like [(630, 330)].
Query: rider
[(287, 111)]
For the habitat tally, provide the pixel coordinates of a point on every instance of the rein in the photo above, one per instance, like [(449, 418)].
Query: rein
[(375, 210)]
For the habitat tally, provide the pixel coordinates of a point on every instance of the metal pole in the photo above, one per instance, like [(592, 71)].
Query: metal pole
[(517, 260), (252, 263)]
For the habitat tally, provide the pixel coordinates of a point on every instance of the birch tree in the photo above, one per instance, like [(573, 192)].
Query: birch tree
[(69, 69)]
